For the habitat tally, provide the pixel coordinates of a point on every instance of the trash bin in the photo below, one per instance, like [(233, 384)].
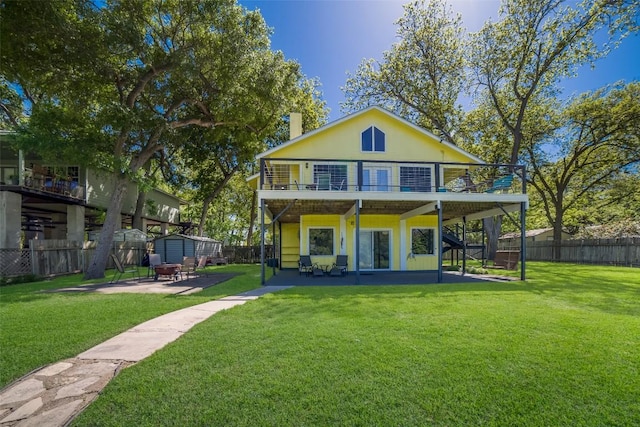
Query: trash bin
[(272, 262)]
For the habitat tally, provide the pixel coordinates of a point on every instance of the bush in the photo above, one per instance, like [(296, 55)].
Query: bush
[(477, 270), (14, 280)]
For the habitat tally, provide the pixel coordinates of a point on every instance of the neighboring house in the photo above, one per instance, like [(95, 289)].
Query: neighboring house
[(538, 235), (63, 201), (377, 188)]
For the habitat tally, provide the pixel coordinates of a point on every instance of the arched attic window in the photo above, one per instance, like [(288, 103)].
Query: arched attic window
[(373, 139)]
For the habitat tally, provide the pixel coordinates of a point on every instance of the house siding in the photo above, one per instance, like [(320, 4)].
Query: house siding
[(343, 142), (320, 179), (99, 189), (290, 245), (344, 240), (320, 221)]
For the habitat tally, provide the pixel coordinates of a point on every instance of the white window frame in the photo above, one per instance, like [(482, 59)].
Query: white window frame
[(373, 140), (333, 249), (435, 246), (418, 165)]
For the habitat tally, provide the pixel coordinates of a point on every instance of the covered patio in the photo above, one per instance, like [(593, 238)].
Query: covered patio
[(293, 278)]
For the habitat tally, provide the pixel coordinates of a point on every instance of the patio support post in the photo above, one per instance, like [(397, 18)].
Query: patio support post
[(523, 240), (357, 242), (262, 272), (261, 174), (21, 167), (464, 245), (273, 236), (440, 243)]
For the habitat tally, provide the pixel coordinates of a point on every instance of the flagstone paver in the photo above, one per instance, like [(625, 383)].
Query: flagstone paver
[(55, 394)]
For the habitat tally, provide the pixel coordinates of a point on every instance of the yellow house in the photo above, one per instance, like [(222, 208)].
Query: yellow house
[(378, 189)]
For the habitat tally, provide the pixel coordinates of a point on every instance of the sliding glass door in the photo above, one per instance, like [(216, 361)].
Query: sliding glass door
[(374, 249)]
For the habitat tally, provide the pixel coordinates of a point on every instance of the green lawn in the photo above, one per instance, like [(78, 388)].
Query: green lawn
[(39, 328), (562, 348)]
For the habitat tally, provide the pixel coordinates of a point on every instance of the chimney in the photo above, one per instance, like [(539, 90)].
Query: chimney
[(295, 125)]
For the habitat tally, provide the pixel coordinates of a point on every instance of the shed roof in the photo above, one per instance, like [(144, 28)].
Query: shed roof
[(184, 236)]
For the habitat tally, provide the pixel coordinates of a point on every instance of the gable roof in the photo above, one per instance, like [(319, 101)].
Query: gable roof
[(362, 112)]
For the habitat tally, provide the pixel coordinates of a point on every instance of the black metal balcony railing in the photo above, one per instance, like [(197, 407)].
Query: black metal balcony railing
[(347, 175)]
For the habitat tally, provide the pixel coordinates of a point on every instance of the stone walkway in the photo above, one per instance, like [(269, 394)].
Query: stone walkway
[(53, 395)]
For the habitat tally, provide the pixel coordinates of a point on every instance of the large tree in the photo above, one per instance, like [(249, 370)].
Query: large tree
[(597, 143), (137, 73), (523, 56), (514, 64), (422, 75), (214, 156)]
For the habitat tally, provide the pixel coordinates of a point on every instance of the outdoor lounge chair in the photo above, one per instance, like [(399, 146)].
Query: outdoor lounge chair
[(154, 259), (305, 265), (340, 267), (120, 270), (202, 265), (188, 266), (323, 182), (338, 187), (501, 184)]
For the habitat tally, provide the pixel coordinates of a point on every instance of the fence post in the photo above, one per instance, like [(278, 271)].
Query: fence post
[(33, 258)]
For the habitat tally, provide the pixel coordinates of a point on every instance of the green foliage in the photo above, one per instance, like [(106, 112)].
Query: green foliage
[(422, 75), (515, 65), (518, 61), (16, 280), (597, 149), (559, 349), (477, 270), (42, 327), (113, 86)]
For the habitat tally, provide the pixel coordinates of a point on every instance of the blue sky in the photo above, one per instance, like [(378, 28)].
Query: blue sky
[(331, 37)]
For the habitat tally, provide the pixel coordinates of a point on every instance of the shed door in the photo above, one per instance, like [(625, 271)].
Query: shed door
[(174, 251)]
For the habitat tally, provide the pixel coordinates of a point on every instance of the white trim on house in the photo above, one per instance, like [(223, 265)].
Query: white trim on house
[(322, 227), (403, 244), (435, 240), (372, 229)]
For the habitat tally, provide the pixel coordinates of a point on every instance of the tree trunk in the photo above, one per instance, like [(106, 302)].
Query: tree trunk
[(205, 211), (210, 197), (492, 227), (136, 221), (99, 261), (252, 218), (557, 237)]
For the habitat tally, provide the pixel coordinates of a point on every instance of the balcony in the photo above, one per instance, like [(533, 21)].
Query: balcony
[(39, 181), (330, 177)]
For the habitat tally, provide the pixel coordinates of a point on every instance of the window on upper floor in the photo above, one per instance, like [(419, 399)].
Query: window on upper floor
[(415, 178), (330, 177), (373, 139)]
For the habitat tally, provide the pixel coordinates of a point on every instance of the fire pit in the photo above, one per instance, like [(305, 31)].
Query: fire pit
[(171, 270)]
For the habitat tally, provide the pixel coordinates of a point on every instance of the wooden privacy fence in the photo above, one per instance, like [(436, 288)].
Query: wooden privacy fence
[(246, 254), (622, 251)]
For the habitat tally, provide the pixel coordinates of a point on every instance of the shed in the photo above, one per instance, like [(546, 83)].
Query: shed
[(173, 247)]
